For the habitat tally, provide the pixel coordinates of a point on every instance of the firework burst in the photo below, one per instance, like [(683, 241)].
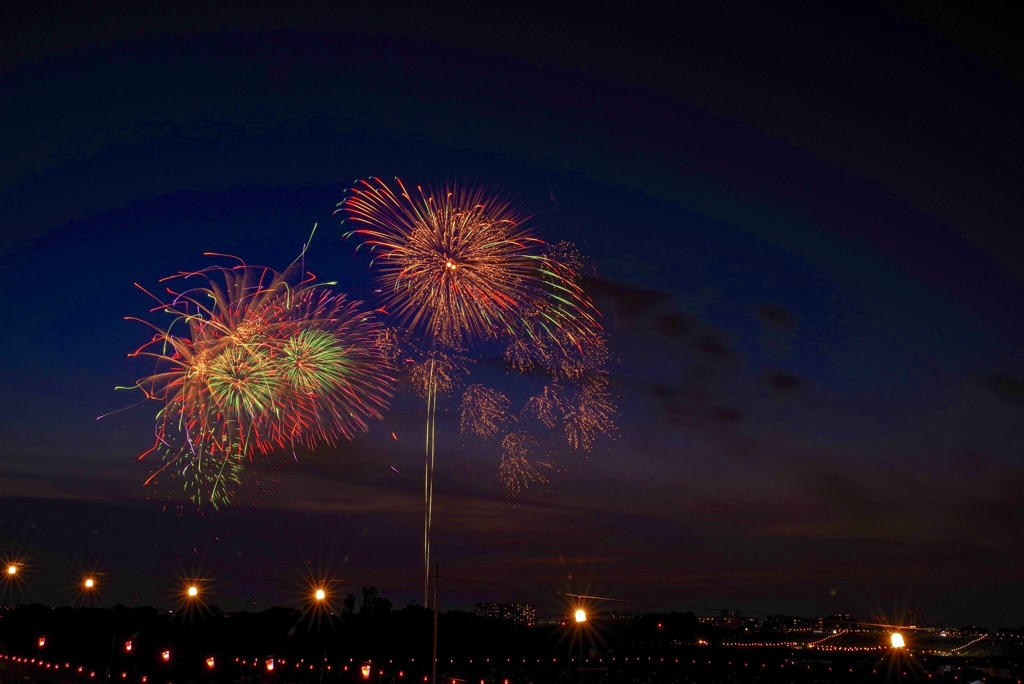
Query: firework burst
[(460, 266), (261, 366)]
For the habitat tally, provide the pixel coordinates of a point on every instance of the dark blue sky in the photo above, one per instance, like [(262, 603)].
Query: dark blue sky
[(804, 228)]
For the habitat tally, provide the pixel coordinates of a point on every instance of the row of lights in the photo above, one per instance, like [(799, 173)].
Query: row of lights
[(88, 581), (366, 669), (192, 591)]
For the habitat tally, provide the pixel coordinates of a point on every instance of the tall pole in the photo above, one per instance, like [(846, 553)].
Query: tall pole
[(433, 653), (110, 660)]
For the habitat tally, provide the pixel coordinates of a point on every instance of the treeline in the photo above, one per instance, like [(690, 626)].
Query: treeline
[(367, 628)]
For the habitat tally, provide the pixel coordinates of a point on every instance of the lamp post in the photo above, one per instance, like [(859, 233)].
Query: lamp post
[(581, 619)]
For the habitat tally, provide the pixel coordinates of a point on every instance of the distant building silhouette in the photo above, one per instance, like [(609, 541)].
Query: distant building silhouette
[(520, 613)]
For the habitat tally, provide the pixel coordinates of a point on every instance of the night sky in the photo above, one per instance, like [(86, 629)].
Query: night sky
[(804, 226)]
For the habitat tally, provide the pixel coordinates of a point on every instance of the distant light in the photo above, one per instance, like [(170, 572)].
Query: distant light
[(320, 595), (897, 640), (89, 583), (42, 642), (270, 664), (210, 662), (12, 569), (127, 645), (581, 615), (192, 591), (166, 655), (365, 669)]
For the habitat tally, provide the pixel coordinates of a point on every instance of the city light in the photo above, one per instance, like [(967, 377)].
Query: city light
[(270, 664), (41, 642), (210, 662), (166, 656), (12, 569), (897, 640), (581, 615), (128, 646), (90, 583), (320, 595), (365, 669), (193, 591)]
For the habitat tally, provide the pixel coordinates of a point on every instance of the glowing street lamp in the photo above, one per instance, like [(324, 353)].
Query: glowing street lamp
[(365, 669), (897, 640), (41, 642), (12, 570), (192, 591), (166, 656), (128, 646), (581, 615), (320, 595), (210, 662), (270, 664), (89, 583)]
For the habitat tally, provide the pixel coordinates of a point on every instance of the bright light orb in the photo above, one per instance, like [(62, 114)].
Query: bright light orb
[(320, 595), (192, 591), (12, 569), (90, 583), (897, 640), (581, 615)]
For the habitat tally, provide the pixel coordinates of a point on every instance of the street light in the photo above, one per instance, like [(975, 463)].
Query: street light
[(12, 569), (90, 583), (897, 640), (581, 615), (166, 656), (193, 591), (320, 595)]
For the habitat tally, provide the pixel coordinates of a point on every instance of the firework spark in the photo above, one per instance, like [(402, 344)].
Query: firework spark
[(591, 413), (484, 411), (517, 471), (438, 373)]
